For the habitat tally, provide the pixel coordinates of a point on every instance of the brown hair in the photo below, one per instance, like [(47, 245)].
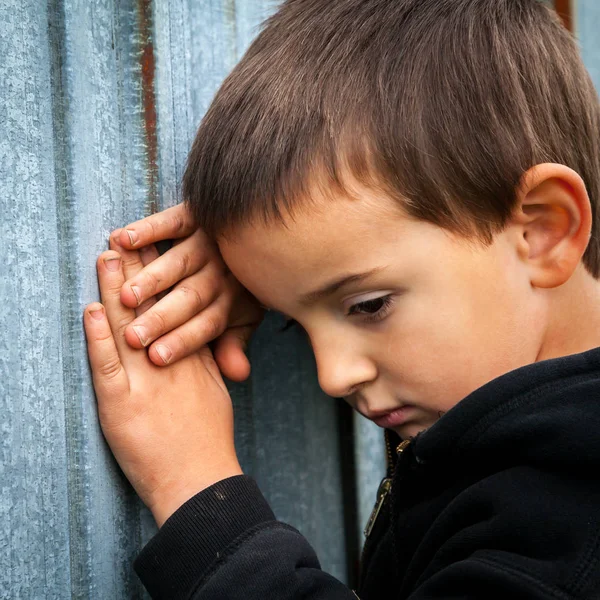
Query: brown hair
[(444, 104)]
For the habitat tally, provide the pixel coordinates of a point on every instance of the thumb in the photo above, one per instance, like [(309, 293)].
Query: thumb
[(229, 352)]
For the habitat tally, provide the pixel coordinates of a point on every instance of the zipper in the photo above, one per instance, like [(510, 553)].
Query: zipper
[(385, 487), (388, 448)]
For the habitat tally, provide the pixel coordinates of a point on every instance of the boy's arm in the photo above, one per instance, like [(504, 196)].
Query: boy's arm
[(206, 302), (226, 543), (171, 431)]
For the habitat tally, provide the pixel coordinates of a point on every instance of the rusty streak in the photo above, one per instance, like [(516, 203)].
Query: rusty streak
[(564, 10), (149, 101)]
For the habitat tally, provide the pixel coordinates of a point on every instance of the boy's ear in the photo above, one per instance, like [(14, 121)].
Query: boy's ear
[(553, 221)]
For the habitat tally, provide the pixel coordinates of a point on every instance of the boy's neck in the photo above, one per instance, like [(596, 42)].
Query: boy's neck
[(574, 317)]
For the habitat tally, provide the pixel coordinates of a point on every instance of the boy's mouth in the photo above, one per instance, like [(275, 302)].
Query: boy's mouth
[(393, 417)]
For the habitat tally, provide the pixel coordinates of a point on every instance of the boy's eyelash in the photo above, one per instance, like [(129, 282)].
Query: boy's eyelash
[(377, 315), (369, 317)]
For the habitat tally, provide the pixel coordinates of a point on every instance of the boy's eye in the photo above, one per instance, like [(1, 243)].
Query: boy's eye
[(374, 310), (369, 306)]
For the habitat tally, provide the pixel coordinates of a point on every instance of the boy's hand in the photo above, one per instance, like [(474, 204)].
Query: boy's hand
[(170, 428), (207, 302)]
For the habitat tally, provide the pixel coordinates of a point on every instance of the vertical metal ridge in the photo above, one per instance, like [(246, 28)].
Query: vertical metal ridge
[(79, 542)]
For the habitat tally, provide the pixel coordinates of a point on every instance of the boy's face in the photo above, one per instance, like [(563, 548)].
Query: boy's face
[(437, 317)]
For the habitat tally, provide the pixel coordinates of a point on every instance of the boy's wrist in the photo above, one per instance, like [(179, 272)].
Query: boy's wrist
[(174, 495)]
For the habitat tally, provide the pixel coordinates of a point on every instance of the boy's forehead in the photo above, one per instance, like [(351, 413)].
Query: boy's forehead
[(325, 222), (319, 242)]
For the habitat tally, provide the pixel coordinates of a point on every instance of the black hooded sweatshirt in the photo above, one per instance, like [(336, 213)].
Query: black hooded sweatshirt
[(500, 498)]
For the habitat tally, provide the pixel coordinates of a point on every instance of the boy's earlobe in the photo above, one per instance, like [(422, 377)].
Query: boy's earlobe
[(553, 216)]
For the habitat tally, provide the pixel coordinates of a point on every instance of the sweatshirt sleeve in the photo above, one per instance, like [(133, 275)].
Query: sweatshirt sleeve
[(226, 543)]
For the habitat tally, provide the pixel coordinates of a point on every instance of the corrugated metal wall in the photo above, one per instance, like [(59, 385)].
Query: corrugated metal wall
[(99, 102)]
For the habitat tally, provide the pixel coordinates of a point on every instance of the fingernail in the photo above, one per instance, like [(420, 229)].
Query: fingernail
[(141, 333), (133, 236), (164, 353), (136, 292), (112, 264), (97, 314)]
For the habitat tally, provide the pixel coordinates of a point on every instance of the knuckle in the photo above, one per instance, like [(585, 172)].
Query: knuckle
[(158, 321), (110, 369), (120, 325), (183, 264), (112, 288), (152, 281), (193, 297), (104, 335), (177, 223), (213, 327), (152, 225)]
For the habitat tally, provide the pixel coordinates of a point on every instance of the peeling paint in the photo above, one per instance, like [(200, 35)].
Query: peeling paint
[(148, 68), (564, 9)]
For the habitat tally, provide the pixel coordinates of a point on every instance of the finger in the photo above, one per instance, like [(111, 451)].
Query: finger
[(176, 264), (191, 336), (207, 358), (148, 254), (133, 263), (230, 352), (111, 279), (179, 306), (174, 222), (109, 376)]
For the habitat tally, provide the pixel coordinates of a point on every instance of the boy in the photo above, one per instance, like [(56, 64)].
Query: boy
[(415, 183)]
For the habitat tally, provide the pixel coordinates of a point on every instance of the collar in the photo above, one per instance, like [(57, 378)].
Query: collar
[(546, 409)]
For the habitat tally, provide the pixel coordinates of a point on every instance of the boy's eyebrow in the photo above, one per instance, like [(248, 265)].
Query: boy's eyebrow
[(335, 285)]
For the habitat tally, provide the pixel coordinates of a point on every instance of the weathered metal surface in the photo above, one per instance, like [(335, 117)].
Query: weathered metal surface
[(34, 535), (586, 24), (99, 102)]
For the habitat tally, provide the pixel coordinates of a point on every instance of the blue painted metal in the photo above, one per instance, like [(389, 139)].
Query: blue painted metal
[(34, 535), (99, 102), (586, 23)]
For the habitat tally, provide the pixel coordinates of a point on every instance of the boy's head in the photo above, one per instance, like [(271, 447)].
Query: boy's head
[(447, 145)]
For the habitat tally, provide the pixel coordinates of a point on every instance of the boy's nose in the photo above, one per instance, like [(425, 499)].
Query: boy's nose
[(342, 368)]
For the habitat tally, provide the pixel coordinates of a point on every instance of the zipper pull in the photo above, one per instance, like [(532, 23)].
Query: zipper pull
[(384, 489), (401, 447)]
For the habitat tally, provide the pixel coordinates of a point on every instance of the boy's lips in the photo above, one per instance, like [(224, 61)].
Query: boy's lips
[(391, 418)]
